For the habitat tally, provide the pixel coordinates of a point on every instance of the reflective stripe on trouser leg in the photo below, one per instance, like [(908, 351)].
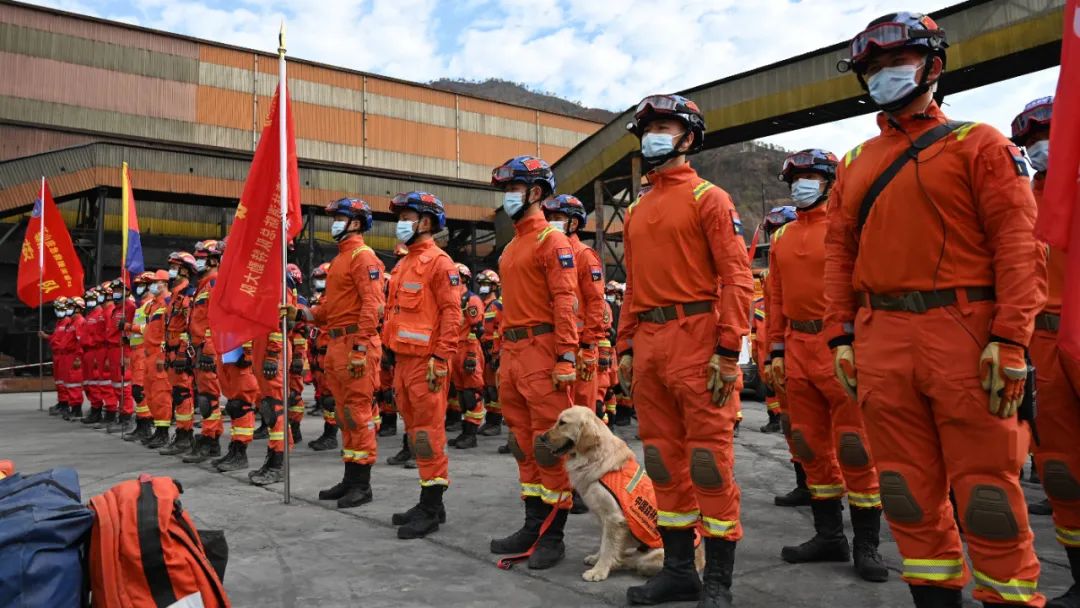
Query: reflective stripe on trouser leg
[(354, 399), (936, 570), (1012, 590), (811, 414), (424, 413)]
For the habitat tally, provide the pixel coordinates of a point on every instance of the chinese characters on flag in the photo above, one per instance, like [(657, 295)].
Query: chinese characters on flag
[(53, 262)]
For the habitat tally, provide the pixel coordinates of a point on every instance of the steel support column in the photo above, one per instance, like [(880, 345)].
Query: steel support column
[(99, 227)]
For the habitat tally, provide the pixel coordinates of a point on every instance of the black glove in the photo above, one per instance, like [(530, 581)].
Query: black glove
[(207, 363), (270, 368), (314, 366), (182, 364), (296, 366), (137, 393), (243, 362), (470, 364), (495, 363), (387, 362)]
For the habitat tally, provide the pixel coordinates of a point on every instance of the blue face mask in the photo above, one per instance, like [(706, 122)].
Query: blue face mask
[(406, 230), (656, 145), (892, 83), (805, 192), (1039, 154), (513, 203), (338, 228)]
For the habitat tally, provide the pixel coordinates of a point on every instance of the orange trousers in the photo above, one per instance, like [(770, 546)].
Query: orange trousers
[(826, 425), (1057, 456), (183, 403), (688, 439), (139, 378), (472, 408), (118, 398), (94, 376), (296, 397), (531, 405), (491, 391), (424, 413), (158, 388), (272, 401), (355, 399), (241, 391), (208, 398), (928, 422)]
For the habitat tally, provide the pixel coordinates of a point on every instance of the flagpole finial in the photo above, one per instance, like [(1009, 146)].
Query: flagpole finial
[(281, 39)]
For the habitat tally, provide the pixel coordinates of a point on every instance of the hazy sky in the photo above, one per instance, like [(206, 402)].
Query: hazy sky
[(604, 53)]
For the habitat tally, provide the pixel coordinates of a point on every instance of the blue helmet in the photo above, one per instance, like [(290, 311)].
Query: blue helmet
[(527, 170), (1036, 114), (354, 209), (778, 216), (568, 204), (420, 202), (812, 160)]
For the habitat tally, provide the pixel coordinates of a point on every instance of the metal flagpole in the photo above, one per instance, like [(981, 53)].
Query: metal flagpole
[(283, 161), (124, 278), (41, 304)]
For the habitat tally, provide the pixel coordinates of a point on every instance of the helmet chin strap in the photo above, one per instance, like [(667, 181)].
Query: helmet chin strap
[(920, 89)]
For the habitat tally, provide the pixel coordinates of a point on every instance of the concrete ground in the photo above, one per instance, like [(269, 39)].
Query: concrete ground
[(310, 554)]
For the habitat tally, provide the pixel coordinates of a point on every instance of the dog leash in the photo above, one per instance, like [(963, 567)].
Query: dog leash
[(508, 562)]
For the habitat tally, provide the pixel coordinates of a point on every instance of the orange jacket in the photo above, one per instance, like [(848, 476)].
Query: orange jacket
[(965, 222), (538, 281), (92, 334), (423, 315), (592, 323), (683, 242), (797, 274), (176, 324), (199, 322), (154, 330), (472, 315), (1055, 258), (354, 290), (492, 320)]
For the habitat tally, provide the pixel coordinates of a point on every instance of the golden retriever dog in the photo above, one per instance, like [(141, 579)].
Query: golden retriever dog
[(595, 457)]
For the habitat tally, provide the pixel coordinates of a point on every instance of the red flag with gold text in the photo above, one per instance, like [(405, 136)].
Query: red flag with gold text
[(52, 262)]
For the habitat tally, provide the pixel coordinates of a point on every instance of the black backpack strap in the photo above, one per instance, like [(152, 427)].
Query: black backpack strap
[(153, 557), (923, 142)]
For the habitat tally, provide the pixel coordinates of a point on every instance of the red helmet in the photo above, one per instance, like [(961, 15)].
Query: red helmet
[(159, 275), (488, 276), (465, 273), (209, 248), (295, 274), (78, 302), (1036, 114), (144, 278), (105, 288), (320, 271), (183, 258)]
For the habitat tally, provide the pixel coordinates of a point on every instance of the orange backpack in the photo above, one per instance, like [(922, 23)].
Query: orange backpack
[(146, 553)]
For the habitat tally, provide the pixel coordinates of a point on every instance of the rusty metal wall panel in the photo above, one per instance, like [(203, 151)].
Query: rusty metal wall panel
[(553, 153), (244, 60), (490, 150), (300, 90), (497, 125), (337, 153), (95, 88), (491, 108), (411, 110), (568, 123), (409, 162), (224, 108), (16, 142), (72, 49), (397, 135), (561, 137), (378, 86)]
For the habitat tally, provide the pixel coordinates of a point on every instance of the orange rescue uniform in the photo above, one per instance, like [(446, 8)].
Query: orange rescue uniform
[(593, 316), (206, 383), (157, 387), (467, 369), (958, 221), (177, 345)]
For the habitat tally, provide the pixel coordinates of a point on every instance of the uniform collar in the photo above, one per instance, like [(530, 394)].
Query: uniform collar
[(669, 177), (912, 123), (422, 246), (532, 223), (351, 242), (817, 214)]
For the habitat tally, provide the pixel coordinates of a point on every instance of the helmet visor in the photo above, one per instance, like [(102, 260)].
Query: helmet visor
[(1032, 117), (664, 104), (884, 36)]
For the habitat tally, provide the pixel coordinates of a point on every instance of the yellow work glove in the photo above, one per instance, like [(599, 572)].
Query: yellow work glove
[(436, 373), (586, 363), (723, 374), (626, 373), (844, 366), (778, 373), (1003, 370), (357, 363), (287, 311), (563, 375)]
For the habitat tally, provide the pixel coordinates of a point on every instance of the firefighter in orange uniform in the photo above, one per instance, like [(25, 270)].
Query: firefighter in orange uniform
[(144, 420), (826, 425), (78, 363), (487, 287), (350, 312), (60, 345), (298, 361), (384, 396), (208, 396), (422, 330), (538, 362), (317, 361), (1057, 456), (688, 292), (158, 389), (240, 387), (108, 395), (119, 354), (932, 294), (92, 341), (179, 349), (467, 366)]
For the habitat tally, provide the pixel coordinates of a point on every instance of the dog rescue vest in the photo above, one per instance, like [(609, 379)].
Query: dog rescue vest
[(633, 490)]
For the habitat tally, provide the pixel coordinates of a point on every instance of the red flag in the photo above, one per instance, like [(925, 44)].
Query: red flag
[(246, 298), (1059, 222), (50, 261)]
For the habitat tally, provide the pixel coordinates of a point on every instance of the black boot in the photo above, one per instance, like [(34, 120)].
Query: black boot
[(73, 413), (262, 432), (927, 596), (107, 418), (504, 448), (1042, 507), (579, 505), (525, 537), (404, 455), (829, 543), (864, 546), (1034, 476), (159, 438), (358, 486), (429, 514), (400, 519), (143, 428), (453, 421), (1071, 599), (207, 448), (678, 581), (55, 410), (389, 425), (235, 459), (272, 470), (467, 438), (124, 424), (492, 425), (800, 496), (294, 428), (337, 490), (623, 415), (193, 449), (550, 549), (94, 417), (773, 425), (181, 443), (326, 441), (719, 565)]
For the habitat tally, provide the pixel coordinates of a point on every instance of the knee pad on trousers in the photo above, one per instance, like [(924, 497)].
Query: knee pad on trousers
[(802, 448), (179, 395), (654, 465), (137, 393), (422, 445), (237, 408), (1059, 482), (468, 399), (491, 393), (897, 500), (329, 403), (269, 411), (989, 514), (204, 404), (515, 449), (294, 398), (703, 471), (543, 454), (785, 425), (851, 452)]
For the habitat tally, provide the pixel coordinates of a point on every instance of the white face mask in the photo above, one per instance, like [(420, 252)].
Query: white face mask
[(656, 145), (155, 288), (513, 202), (140, 289), (610, 299), (805, 192), (338, 228), (173, 273), (1039, 154), (59, 314), (320, 285), (558, 225), (200, 265), (91, 303), (405, 230), (892, 83), (101, 299), (485, 289), (117, 296)]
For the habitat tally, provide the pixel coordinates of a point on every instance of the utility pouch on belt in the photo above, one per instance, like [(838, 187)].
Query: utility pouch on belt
[(1028, 407)]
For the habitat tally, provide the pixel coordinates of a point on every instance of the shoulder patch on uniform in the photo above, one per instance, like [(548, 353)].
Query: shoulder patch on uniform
[(566, 257), (373, 273), (701, 189), (455, 278), (1018, 160), (736, 222), (597, 274)]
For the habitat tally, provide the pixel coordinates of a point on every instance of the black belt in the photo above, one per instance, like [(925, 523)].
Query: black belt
[(922, 301), (514, 334), (338, 332), (664, 314), (1048, 321), (808, 327)]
